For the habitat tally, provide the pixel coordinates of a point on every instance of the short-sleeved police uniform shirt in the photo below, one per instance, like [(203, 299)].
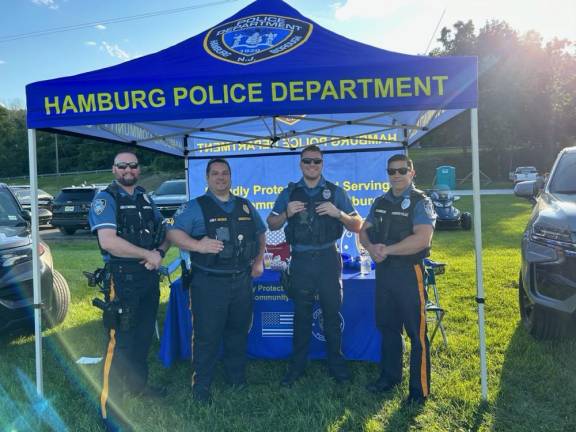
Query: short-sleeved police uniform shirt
[(190, 219), (424, 213), (341, 202), (103, 210)]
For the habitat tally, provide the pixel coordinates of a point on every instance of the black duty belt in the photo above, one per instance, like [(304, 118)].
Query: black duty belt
[(223, 274), (125, 266), (314, 252)]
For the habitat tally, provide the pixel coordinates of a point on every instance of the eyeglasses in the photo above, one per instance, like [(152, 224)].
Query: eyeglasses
[(308, 161), (401, 171), (124, 165)]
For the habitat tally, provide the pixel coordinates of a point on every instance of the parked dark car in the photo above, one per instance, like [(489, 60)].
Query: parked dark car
[(547, 294), (44, 202), (170, 196), (71, 206), (16, 287)]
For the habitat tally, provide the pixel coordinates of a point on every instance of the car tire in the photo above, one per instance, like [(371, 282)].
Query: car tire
[(466, 221), (67, 230), (60, 299), (541, 323)]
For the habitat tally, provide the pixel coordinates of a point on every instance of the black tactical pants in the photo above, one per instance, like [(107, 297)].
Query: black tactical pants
[(317, 273), (401, 302), (125, 362), (221, 314)]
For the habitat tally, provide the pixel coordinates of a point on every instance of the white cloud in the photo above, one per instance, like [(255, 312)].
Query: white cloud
[(367, 8), (50, 4), (90, 43), (114, 51), (2, 62), (100, 27), (408, 25)]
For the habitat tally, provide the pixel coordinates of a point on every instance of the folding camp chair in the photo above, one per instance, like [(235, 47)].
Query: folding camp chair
[(434, 312)]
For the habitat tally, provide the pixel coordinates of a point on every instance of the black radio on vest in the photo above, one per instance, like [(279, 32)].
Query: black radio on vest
[(308, 227), (237, 230), (394, 223)]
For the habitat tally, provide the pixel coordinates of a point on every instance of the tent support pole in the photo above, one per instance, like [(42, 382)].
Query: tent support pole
[(478, 249), (186, 166), (33, 171)]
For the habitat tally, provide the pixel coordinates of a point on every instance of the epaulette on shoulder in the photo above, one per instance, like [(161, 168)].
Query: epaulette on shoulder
[(418, 193)]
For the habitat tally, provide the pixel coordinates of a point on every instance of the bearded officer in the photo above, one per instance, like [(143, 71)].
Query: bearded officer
[(131, 238), (316, 212), (225, 237), (398, 233)]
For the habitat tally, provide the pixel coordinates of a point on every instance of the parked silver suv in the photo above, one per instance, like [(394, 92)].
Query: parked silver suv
[(547, 294), (170, 196)]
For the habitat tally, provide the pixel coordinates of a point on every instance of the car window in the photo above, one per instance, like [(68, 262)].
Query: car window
[(76, 195), (22, 193), (9, 212), (25, 192), (564, 178), (172, 188)]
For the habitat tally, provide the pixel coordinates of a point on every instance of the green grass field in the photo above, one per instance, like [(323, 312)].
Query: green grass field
[(530, 383)]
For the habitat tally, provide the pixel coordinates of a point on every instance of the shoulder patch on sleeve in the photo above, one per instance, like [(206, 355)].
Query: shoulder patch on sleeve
[(429, 208), (179, 211), (99, 205)]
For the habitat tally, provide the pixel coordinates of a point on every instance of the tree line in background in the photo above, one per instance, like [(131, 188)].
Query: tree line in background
[(74, 153), (527, 96), (527, 110)]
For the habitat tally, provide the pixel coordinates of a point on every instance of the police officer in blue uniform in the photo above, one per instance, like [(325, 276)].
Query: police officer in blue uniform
[(226, 239), (131, 239), (398, 234), (316, 212)]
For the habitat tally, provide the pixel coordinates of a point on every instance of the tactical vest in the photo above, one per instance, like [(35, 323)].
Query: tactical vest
[(135, 219), (307, 227), (237, 230), (393, 223)]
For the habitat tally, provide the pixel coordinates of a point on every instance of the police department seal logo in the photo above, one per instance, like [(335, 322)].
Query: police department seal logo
[(405, 204), (99, 206), (256, 38), (429, 209), (290, 120), (326, 193), (318, 324)]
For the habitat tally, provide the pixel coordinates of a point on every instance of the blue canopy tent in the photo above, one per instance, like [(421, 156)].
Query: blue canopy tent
[(264, 82)]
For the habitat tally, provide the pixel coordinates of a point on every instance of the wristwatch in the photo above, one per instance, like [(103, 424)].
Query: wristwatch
[(161, 252)]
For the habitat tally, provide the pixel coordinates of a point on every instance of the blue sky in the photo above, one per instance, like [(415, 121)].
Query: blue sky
[(397, 25)]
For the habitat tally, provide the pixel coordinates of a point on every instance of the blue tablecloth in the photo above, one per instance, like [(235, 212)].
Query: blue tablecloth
[(271, 332)]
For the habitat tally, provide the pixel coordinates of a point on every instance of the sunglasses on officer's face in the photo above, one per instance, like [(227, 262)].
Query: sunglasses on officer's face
[(308, 161), (401, 171), (124, 165)]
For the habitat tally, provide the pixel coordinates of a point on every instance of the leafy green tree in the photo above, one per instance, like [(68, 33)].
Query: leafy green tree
[(527, 94)]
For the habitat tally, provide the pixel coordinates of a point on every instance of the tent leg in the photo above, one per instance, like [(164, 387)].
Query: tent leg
[(478, 249), (186, 167), (35, 259), (186, 176)]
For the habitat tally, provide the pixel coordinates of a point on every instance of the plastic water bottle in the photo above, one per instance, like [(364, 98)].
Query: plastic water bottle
[(365, 263)]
